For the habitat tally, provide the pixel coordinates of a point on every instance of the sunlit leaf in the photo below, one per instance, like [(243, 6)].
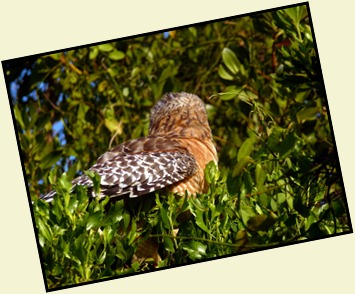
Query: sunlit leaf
[(307, 113), (196, 250), (105, 47), (45, 230), (230, 60), (94, 220), (246, 148), (200, 221), (116, 55), (224, 74), (94, 51)]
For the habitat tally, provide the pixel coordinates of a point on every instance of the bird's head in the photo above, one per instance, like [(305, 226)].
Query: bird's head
[(181, 114)]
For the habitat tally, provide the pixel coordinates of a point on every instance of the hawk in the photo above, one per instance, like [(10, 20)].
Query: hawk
[(173, 155)]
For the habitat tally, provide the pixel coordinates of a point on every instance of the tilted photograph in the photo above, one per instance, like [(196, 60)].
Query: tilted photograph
[(178, 146)]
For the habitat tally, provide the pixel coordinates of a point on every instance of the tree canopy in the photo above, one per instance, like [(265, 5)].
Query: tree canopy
[(278, 180)]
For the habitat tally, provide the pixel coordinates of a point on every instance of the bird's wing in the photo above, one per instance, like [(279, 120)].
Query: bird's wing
[(140, 173), (139, 167)]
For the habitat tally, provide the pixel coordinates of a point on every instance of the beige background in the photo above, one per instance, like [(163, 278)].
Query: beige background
[(29, 27)]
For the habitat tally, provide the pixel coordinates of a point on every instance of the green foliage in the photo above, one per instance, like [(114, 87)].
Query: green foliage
[(83, 240), (278, 179)]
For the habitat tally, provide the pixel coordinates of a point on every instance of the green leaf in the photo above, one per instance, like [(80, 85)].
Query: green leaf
[(230, 93), (211, 172), (193, 31), (105, 47), (200, 221), (241, 238), (94, 220), (224, 74), (44, 230), (132, 233), (195, 249), (164, 217), (241, 165), (126, 220), (96, 180), (135, 265), (82, 110), (50, 159), (302, 95), (102, 257), (64, 182), (274, 139), (18, 116), (246, 212), (230, 60), (94, 51), (168, 244), (112, 71), (287, 145), (246, 148), (116, 55), (296, 13), (307, 113), (311, 219), (102, 86), (260, 176), (163, 213), (281, 198)]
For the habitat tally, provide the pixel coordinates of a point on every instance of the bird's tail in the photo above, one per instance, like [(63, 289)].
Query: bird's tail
[(49, 196)]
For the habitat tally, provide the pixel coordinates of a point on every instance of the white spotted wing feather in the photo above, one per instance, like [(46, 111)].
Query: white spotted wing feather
[(140, 173)]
